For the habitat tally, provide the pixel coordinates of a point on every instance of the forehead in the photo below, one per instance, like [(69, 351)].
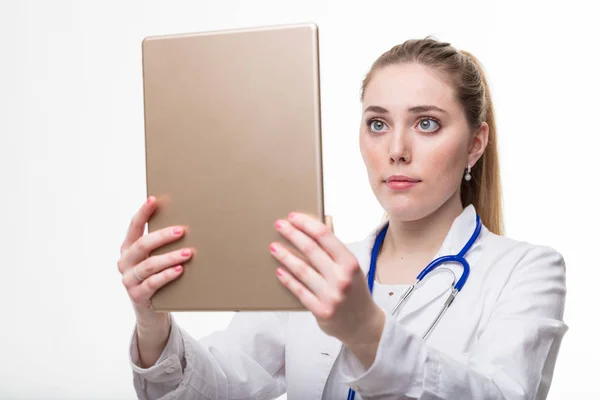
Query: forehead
[(400, 86)]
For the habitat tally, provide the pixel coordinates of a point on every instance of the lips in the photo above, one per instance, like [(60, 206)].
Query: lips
[(401, 178), (401, 182)]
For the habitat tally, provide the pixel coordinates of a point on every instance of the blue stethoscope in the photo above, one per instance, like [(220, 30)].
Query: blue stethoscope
[(456, 286)]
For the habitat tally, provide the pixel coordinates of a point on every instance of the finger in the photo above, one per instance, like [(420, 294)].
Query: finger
[(155, 264), (145, 291), (138, 222), (319, 232), (315, 255), (142, 247), (303, 272), (306, 297)]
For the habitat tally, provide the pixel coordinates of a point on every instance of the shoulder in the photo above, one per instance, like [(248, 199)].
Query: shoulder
[(521, 254), (534, 274)]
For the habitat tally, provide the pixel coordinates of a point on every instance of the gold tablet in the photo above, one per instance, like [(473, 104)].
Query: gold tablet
[(233, 142)]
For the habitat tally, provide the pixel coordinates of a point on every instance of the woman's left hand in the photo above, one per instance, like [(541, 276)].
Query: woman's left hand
[(328, 282)]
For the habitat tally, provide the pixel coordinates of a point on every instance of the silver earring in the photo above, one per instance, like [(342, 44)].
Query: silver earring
[(468, 175)]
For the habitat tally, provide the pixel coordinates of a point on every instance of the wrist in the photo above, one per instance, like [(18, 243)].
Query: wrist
[(366, 342), (151, 322), (369, 332), (152, 337)]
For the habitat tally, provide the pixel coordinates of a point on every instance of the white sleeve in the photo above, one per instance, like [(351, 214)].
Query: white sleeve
[(513, 358), (246, 360)]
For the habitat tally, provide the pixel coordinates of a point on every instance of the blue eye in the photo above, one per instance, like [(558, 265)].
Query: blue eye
[(428, 125), (376, 125)]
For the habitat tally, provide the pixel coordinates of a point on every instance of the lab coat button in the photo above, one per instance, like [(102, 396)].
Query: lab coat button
[(170, 370), (168, 363)]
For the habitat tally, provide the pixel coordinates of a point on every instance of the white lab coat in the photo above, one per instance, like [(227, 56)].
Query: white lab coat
[(498, 340)]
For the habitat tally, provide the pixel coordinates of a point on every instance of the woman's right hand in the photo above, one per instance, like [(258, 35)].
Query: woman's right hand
[(143, 275)]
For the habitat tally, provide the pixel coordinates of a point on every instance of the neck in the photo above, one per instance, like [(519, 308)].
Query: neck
[(422, 237)]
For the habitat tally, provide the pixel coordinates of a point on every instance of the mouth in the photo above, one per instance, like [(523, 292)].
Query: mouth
[(401, 182), (401, 178)]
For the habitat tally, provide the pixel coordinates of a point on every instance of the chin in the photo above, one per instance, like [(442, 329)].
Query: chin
[(413, 208), (405, 206), (406, 210), (405, 215)]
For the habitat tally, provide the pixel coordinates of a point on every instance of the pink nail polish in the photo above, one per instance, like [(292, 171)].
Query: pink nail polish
[(178, 268), (278, 224), (279, 272), (149, 199), (186, 252), (292, 215), (177, 230), (273, 248)]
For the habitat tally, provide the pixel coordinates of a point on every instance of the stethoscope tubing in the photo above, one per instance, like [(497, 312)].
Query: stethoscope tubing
[(456, 285)]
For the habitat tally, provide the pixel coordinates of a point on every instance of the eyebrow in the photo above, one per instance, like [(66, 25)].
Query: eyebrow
[(377, 109), (415, 109)]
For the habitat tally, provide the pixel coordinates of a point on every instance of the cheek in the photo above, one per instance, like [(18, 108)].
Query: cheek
[(371, 154), (446, 163)]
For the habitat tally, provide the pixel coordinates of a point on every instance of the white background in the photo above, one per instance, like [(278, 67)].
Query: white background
[(72, 160)]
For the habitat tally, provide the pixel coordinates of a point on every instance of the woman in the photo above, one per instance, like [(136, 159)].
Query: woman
[(428, 141)]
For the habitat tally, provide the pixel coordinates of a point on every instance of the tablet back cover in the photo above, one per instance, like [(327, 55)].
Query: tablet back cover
[(233, 142)]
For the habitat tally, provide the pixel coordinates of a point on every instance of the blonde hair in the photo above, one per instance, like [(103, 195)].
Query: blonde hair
[(472, 90)]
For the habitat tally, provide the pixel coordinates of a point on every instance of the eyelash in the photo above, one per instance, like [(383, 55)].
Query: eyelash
[(437, 121)]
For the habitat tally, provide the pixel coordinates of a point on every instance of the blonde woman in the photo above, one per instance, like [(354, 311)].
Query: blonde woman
[(428, 141)]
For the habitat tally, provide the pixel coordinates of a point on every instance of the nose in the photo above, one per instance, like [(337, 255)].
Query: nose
[(399, 147)]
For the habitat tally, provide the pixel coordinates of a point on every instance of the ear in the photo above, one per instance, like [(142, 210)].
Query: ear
[(478, 143)]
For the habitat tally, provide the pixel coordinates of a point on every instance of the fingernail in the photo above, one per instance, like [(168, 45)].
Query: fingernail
[(279, 272), (292, 215), (178, 268), (150, 199), (278, 224), (273, 248), (186, 252), (178, 230)]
